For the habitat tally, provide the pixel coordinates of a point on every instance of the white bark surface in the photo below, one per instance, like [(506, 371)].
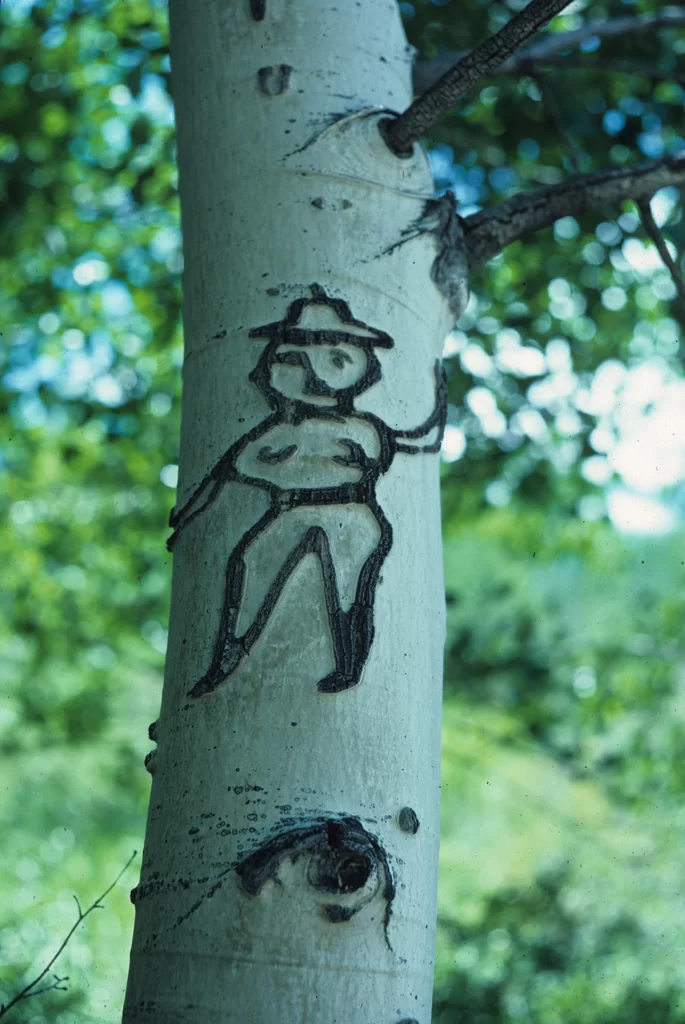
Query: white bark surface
[(286, 183)]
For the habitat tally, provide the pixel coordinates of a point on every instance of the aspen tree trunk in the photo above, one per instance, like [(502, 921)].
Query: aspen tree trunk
[(290, 861)]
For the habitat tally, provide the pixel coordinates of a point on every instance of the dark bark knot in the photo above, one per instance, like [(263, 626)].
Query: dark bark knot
[(275, 79), (408, 820), (341, 862), (150, 758)]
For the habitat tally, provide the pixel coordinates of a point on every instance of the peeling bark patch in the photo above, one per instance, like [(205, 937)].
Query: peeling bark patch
[(274, 79), (334, 356), (450, 270), (343, 860), (258, 10), (408, 820)]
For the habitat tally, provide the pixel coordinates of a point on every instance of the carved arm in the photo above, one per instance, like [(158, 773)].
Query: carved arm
[(209, 489), (437, 418)]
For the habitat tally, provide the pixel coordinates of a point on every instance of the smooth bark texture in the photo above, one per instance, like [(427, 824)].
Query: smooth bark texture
[(290, 862)]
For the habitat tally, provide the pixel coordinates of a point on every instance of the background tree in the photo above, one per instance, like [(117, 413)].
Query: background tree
[(547, 699)]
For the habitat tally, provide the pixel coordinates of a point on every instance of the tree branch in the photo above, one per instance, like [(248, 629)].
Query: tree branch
[(30, 989), (652, 229), (489, 231), (547, 50), (401, 133)]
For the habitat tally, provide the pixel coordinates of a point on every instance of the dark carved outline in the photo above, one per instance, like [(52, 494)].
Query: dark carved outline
[(351, 631), (345, 834), (292, 838), (274, 79)]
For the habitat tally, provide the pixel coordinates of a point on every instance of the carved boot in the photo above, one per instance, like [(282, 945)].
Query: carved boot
[(232, 654), (352, 635)]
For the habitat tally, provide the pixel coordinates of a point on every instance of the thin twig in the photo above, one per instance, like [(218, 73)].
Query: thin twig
[(55, 986), (654, 232), (548, 48), (28, 991), (401, 133), (491, 230)]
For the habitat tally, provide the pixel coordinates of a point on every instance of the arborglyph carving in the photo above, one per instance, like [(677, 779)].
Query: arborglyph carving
[(319, 459)]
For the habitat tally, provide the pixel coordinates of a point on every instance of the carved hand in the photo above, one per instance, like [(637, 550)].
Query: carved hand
[(356, 455)]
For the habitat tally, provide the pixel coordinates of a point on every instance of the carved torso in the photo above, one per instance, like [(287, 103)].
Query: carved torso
[(315, 453)]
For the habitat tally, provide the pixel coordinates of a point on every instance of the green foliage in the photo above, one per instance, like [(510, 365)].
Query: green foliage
[(562, 786), (563, 782)]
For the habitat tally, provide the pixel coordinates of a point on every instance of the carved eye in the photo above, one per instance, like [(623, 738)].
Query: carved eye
[(338, 860), (339, 358)]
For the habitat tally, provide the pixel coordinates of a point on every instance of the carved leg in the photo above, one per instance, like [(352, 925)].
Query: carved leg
[(232, 653), (352, 638), (353, 630), (230, 649)]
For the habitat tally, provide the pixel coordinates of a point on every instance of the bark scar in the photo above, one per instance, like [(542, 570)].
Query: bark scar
[(344, 861), (450, 270), (274, 79)]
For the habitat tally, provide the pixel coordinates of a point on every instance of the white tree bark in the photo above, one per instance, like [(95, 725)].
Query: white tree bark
[(290, 861)]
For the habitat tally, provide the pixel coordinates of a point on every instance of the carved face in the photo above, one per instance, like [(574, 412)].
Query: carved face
[(317, 372)]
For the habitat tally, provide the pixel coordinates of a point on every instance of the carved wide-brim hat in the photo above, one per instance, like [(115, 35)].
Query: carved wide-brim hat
[(322, 320)]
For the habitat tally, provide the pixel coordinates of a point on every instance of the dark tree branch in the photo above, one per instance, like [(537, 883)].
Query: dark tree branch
[(30, 990), (652, 229), (547, 50), (55, 986), (401, 133), (489, 231)]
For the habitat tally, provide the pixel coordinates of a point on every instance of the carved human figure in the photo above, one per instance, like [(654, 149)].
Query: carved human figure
[(319, 459)]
